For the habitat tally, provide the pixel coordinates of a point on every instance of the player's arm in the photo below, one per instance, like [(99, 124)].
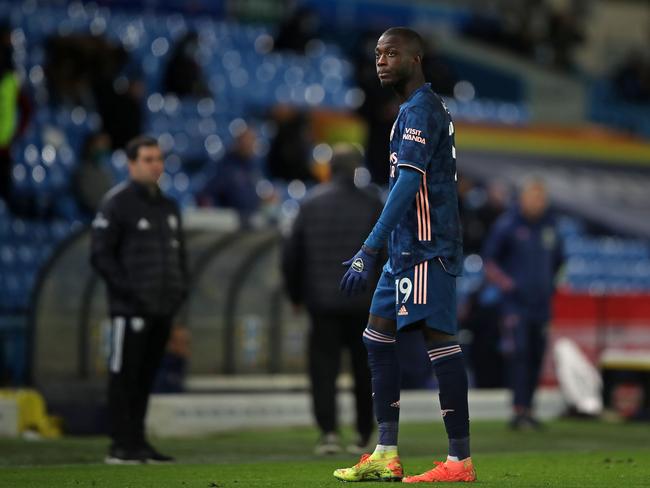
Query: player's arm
[(418, 143), (106, 234), (399, 201), (493, 249)]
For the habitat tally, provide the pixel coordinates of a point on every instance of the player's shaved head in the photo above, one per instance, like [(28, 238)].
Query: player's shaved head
[(412, 40), (398, 59)]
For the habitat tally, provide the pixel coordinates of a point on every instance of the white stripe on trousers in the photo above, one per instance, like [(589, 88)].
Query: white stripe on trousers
[(119, 324)]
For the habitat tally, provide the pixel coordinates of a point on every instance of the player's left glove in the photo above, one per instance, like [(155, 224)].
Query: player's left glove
[(360, 266)]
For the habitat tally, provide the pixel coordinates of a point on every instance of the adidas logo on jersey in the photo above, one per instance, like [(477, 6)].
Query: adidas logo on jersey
[(403, 311)]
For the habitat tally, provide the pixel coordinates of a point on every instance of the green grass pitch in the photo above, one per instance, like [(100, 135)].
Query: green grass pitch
[(565, 454)]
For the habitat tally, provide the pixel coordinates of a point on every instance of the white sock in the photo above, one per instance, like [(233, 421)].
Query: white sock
[(452, 458), (381, 448)]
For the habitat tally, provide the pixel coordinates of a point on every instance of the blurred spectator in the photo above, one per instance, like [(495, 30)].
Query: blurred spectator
[(184, 75), (92, 179), (289, 155), (120, 107), (333, 218), (537, 29), (15, 110), (173, 367), (479, 208), (235, 181), (300, 27), (632, 78), (76, 78), (138, 248), (523, 254)]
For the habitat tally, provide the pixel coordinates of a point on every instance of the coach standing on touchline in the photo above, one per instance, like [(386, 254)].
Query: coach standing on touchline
[(138, 249)]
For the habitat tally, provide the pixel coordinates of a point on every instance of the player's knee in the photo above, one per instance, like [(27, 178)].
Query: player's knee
[(382, 325), (374, 339), (433, 337)]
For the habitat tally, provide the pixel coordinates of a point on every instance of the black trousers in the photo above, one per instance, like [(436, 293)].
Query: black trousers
[(524, 343), (329, 335), (137, 347)]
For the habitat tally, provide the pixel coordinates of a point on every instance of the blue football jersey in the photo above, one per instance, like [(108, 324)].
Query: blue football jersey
[(422, 138)]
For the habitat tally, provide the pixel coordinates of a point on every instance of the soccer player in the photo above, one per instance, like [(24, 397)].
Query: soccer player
[(417, 288)]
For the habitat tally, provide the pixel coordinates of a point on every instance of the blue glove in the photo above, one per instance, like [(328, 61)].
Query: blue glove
[(360, 266)]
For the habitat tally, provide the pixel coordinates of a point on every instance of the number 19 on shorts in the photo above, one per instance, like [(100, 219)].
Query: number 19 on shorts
[(404, 288)]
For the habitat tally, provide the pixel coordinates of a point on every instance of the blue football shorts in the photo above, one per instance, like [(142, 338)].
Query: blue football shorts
[(425, 292)]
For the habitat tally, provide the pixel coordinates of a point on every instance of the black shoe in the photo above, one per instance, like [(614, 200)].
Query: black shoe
[(154, 457), (119, 455)]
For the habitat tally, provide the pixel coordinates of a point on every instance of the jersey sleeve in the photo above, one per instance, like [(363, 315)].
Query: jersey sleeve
[(419, 139)]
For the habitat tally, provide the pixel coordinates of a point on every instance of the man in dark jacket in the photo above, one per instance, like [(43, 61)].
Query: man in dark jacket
[(138, 248), (332, 219), (523, 253)]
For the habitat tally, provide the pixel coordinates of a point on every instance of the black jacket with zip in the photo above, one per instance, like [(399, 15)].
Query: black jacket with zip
[(139, 249)]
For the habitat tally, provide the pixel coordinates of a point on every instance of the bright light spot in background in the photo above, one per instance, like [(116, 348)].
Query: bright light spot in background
[(159, 46), (171, 104), (239, 78), (362, 177), (205, 107), (165, 182), (237, 127), (354, 98), (314, 94), (97, 26), (155, 102), (231, 60), (508, 113), (331, 66), (119, 159), (473, 263), (166, 141), (31, 154), (290, 209), (464, 91), (263, 44), (181, 182), (264, 189), (48, 154), (296, 189), (213, 145), (78, 115), (36, 74), (38, 174), (19, 172), (322, 153)]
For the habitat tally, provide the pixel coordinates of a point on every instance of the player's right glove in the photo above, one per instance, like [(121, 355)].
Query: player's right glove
[(355, 279)]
